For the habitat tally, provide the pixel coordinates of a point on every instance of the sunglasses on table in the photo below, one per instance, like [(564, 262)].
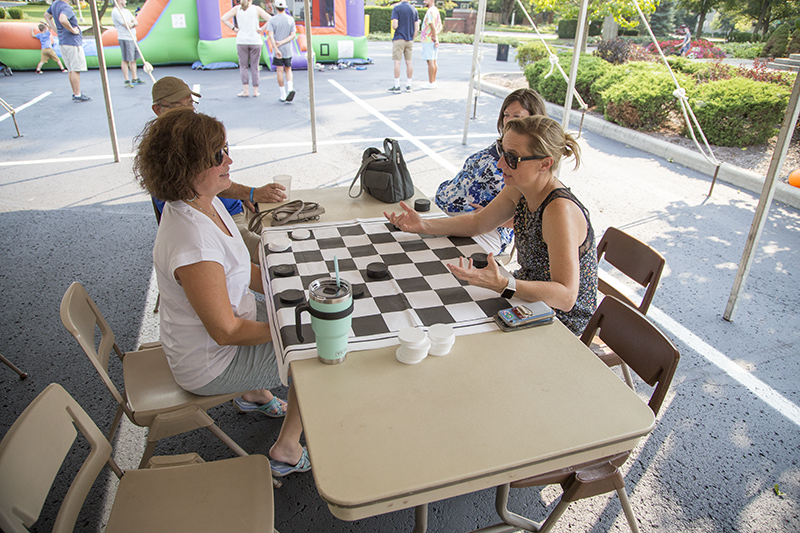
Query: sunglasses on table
[(219, 157), (513, 160)]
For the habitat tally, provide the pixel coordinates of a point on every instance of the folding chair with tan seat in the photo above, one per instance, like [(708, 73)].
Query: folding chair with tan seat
[(640, 263), (653, 357), (151, 397), (228, 495)]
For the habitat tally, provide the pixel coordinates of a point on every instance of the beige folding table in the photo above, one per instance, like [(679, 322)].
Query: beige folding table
[(385, 436)]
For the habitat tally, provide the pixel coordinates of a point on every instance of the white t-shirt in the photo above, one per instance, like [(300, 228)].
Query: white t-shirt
[(117, 17), (247, 20), (185, 237)]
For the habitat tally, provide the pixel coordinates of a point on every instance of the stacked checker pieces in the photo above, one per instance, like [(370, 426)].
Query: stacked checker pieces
[(416, 290)]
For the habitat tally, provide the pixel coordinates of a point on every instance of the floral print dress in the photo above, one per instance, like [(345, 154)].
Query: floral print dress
[(478, 182), (535, 264)]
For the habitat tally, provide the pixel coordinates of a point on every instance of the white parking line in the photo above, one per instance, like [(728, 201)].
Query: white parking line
[(760, 389), (414, 140), (266, 146), (26, 104)]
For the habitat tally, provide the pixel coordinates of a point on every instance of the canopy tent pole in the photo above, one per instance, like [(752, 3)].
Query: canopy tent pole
[(576, 53), (778, 156), (310, 68), (101, 59), (475, 49)]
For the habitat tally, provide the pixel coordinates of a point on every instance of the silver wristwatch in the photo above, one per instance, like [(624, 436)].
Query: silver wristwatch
[(511, 288)]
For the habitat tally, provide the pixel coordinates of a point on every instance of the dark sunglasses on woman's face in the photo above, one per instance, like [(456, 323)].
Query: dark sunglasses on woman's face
[(513, 160), (219, 157)]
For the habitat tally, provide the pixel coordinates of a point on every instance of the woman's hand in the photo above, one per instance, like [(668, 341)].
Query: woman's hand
[(410, 221), (488, 278)]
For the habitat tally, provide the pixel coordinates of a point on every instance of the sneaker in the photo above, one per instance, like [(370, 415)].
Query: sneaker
[(394, 89), (282, 98), (408, 88), (428, 85), (137, 81), (81, 98), (128, 85), (290, 96)]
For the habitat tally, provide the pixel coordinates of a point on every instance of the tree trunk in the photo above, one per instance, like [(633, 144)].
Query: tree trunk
[(610, 28), (581, 47), (701, 20), (103, 9), (764, 18), (505, 11)]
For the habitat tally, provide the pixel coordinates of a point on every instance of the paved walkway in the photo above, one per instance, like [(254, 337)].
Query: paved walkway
[(730, 428)]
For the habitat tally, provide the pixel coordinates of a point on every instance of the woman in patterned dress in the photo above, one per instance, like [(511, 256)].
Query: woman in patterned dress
[(479, 180), (555, 239)]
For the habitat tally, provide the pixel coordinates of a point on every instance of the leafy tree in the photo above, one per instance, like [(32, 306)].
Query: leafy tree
[(623, 11), (701, 7), (662, 22), (765, 12)]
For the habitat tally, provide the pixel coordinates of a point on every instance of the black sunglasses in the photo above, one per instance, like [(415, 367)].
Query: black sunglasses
[(219, 157), (513, 160)]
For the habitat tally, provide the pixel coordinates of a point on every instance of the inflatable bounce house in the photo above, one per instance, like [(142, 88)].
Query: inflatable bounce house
[(190, 32)]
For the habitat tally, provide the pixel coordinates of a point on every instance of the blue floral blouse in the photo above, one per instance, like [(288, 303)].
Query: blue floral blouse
[(478, 182)]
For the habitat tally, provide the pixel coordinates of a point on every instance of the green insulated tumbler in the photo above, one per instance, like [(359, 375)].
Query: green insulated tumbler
[(331, 309)]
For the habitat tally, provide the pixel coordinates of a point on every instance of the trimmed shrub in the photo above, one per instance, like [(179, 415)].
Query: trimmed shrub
[(794, 43), (739, 112), (638, 95), (777, 42), (554, 88), (615, 51), (2, 12), (567, 28), (380, 18), (15, 13), (530, 52), (741, 37), (743, 50)]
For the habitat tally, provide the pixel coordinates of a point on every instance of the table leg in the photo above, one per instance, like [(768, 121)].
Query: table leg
[(421, 518)]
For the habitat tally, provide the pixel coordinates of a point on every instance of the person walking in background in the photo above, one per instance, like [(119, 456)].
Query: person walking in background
[(248, 41), (431, 28), (61, 18), (405, 23), (125, 23), (282, 32), (47, 48), (687, 39)]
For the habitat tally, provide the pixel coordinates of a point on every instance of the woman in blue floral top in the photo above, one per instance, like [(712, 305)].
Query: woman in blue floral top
[(555, 239), (479, 181)]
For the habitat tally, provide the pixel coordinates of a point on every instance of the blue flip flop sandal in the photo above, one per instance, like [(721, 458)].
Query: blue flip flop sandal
[(281, 469), (273, 408)]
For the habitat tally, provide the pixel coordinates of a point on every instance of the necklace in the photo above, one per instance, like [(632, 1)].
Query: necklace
[(213, 214)]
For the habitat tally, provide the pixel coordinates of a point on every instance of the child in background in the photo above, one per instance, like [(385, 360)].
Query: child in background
[(47, 48)]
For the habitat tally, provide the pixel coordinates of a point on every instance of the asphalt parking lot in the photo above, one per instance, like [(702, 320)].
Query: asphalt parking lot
[(728, 433)]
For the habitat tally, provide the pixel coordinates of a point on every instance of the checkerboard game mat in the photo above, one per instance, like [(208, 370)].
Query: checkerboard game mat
[(419, 291)]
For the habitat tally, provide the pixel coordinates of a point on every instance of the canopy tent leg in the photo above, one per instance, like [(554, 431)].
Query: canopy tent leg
[(760, 217)]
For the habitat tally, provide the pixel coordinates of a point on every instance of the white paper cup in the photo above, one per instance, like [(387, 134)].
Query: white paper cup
[(286, 181)]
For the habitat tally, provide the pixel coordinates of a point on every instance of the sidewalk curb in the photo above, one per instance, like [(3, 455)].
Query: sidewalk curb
[(731, 174)]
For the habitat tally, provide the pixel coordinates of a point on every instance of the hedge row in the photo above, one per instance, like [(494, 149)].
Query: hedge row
[(639, 95), (380, 17)]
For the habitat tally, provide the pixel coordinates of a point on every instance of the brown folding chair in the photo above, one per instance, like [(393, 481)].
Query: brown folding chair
[(151, 397), (228, 495), (653, 357), (640, 263)]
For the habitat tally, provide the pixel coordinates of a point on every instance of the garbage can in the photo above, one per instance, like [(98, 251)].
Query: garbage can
[(502, 52)]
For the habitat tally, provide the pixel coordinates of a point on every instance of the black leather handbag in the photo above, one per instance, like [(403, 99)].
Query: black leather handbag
[(384, 175)]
